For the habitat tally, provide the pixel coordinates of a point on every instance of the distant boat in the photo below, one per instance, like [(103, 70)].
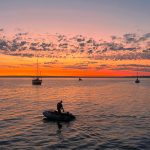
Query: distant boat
[(37, 80), (137, 79), (80, 79)]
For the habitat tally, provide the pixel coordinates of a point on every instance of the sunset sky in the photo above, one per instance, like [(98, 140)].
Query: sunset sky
[(75, 37)]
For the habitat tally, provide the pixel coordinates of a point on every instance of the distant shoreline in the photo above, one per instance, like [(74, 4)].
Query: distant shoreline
[(75, 76)]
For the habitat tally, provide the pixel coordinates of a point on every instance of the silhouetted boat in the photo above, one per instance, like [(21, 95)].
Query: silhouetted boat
[(80, 79), (55, 116), (37, 80), (137, 79)]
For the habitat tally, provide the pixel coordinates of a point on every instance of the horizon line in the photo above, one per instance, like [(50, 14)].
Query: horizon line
[(27, 76)]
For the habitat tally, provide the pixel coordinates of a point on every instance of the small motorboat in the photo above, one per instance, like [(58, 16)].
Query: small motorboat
[(55, 116)]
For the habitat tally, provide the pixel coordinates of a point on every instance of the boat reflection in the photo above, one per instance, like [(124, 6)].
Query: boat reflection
[(59, 130), (59, 127)]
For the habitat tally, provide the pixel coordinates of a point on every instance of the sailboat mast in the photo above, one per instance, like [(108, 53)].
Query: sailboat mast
[(37, 67)]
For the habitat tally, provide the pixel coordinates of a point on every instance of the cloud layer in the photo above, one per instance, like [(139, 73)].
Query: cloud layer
[(128, 47)]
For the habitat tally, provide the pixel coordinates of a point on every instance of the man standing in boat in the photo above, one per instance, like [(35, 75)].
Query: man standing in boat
[(60, 107)]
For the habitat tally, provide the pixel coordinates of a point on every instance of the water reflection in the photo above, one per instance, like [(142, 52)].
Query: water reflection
[(59, 131), (59, 127), (110, 113)]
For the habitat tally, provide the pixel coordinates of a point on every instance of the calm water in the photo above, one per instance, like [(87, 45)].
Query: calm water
[(112, 114)]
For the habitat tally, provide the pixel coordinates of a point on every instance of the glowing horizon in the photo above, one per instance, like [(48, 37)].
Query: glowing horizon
[(60, 55)]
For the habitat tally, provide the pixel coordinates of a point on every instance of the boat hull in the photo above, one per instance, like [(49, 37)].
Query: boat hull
[(36, 82), (137, 81), (55, 116)]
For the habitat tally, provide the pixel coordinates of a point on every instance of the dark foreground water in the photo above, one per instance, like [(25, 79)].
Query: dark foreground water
[(112, 114)]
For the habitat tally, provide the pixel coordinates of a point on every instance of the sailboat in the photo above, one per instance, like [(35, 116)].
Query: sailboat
[(37, 80), (137, 79)]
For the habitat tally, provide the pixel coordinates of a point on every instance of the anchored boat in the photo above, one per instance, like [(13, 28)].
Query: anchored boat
[(37, 80), (80, 79), (137, 79)]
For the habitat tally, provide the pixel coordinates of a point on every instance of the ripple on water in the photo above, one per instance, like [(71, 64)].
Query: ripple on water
[(110, 114)]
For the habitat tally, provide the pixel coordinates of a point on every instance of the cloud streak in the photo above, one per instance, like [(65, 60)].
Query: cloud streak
[(86, 50), (129, 46)]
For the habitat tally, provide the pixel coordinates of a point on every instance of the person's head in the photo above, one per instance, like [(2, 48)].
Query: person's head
[(61, 101)]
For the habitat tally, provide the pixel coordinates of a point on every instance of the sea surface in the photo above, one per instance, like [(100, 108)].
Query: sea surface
[(111, 114)]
